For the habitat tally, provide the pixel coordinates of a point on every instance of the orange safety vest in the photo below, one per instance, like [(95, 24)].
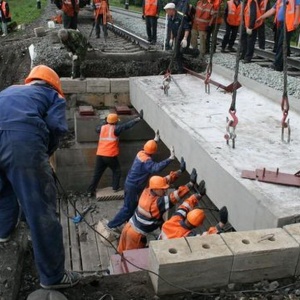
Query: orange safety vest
[(108, 144), (289, 13), (203, 15), (148, 205), (67, 7), (151, 8), (3, 8), (101, 9), (263, 6), (234, 13), (172, 229), (216, 5), (247, 14)]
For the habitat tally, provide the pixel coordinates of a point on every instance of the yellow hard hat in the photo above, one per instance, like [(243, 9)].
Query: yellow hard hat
[(112, 118), (158, 182), (150, 147), (196, 217), (45, 73)]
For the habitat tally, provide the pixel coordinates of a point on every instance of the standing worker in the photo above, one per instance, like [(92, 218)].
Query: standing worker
[(264, 5), (77, 45), (70, 10), (32, 118), (101, 12), (203, 19), (5, 16), (180, 28), (151, 9), (232, 18), (143, 166), (153, 203), (108, 151), (292, 15)]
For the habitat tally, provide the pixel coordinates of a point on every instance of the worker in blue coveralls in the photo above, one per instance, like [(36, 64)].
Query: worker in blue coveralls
[(32, 118), (142, 168)]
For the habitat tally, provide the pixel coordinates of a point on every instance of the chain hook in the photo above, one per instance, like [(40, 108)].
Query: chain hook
[(285, 122), (230, 128), (166, 82), (207, 79)]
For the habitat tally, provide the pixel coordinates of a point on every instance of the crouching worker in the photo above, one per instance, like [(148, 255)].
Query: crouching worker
[(153, 203), (187, 218)]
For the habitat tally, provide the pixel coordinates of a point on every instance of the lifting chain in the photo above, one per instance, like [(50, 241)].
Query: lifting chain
[(166, 83)]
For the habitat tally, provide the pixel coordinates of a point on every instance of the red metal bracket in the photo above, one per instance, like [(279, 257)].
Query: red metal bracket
[(273, 177), (86, 110)]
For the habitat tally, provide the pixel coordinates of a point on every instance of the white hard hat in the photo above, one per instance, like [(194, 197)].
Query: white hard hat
[(170, 6)]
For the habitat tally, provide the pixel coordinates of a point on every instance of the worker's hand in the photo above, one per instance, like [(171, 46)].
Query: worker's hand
[(182, 165), (249, 31), (258, 19), (202, 188), (171, 42), (157, 136), (70, 54), (143, 17), (183, 43), (75, 57), (172, 153), (141, 114), (223, 213)]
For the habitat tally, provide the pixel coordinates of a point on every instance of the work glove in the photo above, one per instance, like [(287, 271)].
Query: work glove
[(157, 136), (183, 43), (141, 114), (75, 57), (223, 213), (172, 153), (143, 17), (182, 165), (70, 54), (171, 42), (193, 179), (202, 188), (249, 31)]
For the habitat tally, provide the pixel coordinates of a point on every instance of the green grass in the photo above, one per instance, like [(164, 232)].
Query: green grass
[(25, 11)]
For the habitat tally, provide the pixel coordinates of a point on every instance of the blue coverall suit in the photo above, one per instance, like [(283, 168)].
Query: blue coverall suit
[(32, 117), (143, 166)]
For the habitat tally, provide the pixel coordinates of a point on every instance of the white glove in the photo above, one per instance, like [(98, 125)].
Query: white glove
[(70, 54), (249, 31), (172, 153), (171, 42), (157, 136), (183, 43), (75, 57)]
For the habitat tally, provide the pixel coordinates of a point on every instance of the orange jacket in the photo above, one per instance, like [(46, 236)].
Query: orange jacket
[(289, 13), (203, 16), (151, 8), (263, 6), (67, 7), (218, 4), (101, 9), (234, 13), (247, 14), (3, 8), (108, 144)]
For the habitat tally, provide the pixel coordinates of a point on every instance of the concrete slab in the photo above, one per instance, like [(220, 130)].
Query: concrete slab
[(119, 85), (85, 128), (195, 123), (262, 254), (193, 263), (294, 231), (71, 86), (98, 85)]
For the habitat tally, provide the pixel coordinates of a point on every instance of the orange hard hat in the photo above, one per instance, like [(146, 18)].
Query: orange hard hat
[(45, 73), (196, 217), (150, 147), (112, 118), (158, 182)]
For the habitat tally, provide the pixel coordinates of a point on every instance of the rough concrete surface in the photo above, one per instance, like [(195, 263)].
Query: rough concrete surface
[(195, 123)]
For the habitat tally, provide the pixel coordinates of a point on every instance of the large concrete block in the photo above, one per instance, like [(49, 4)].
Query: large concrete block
[(119, 85), (96, 100), (294, 231), (195, 263), (113, 99), (98, 85), (85, 128), (262, 254), (72, 86)]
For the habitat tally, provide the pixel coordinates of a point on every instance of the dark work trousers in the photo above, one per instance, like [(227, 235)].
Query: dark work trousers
[(26, 177), (70, 22), (278, 62), (261, 36), (103, 162), (179, 54), (248, 44), (230, 36), (99, 22), (210, 33), (151, 26), (131, 199)]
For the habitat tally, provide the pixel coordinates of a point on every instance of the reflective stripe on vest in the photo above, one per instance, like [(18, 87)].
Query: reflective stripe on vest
[(247, 15), (108, 142), (203, 15), (289, 13), (151, 8), (234, 13), (3, 8)]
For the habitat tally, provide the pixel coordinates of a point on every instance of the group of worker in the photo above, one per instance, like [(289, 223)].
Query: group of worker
[(146, 200)]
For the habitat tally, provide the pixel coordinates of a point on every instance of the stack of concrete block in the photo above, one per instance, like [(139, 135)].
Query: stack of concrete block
[(193, 263)]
